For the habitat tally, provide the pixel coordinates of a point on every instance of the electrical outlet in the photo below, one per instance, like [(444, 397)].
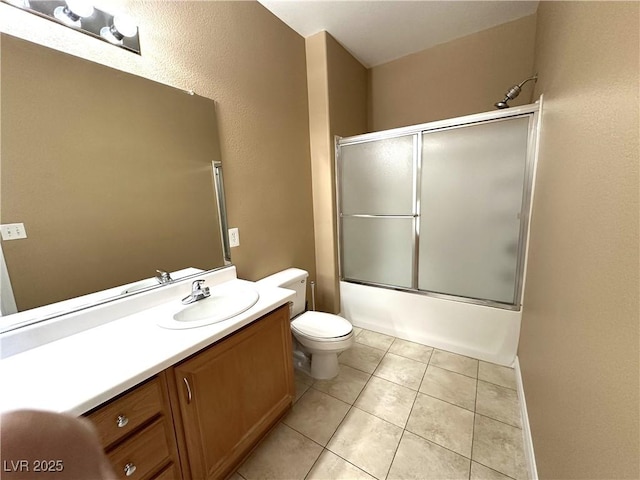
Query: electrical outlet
[(234, 237), (13, 231)]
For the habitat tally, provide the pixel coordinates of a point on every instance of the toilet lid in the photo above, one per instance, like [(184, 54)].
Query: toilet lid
[(321, 325)]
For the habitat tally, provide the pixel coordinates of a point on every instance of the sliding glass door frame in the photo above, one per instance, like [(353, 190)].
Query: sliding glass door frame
[(416, 131)]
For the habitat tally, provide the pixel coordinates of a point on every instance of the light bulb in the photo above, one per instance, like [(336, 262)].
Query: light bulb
[(73, 11), (19, 3), (121, 26), (81, 8), (125, 25)]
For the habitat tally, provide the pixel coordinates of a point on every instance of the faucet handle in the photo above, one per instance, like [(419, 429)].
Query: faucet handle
[(197, 292), (163, 277)]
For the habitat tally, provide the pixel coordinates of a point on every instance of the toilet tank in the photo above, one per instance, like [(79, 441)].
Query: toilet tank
[(292, 279)]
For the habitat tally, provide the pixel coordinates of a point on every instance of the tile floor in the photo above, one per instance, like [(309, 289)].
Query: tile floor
[(397, 410)]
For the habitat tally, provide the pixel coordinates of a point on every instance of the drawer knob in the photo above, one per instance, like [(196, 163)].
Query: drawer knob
[(129, 469), (122, 421)]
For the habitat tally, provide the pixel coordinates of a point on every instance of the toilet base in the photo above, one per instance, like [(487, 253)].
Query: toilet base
[(324, 363), (324, 366)]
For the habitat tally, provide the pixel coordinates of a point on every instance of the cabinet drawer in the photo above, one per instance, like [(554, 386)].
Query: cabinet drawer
[(121, 416), (139, 456), (169, 473)]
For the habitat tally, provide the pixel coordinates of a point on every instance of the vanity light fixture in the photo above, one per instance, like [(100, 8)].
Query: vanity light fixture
[(80, 15)]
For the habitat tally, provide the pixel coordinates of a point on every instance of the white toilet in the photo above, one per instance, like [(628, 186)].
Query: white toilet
[(321, 335)]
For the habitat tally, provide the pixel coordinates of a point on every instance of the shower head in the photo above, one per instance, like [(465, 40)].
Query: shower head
[(513, 93)]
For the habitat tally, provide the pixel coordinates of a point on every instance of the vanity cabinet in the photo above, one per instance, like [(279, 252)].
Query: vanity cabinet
[(136, 431), (230, 394), (201, 417)]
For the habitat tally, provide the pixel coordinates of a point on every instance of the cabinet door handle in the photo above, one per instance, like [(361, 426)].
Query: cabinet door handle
[(186, 382), (122, 421), (129, 469)]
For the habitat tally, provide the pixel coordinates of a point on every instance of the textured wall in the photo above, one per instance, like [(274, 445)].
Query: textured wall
[(579, 340), (337, 106), (460, 77), (253, 65)]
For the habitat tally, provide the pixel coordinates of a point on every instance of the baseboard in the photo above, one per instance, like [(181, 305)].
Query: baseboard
[(526, 428)]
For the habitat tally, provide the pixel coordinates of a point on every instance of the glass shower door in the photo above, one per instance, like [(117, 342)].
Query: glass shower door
[(471, 204), (378, 211)]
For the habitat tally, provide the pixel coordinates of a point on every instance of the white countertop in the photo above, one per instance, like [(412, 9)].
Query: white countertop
[(81, 371), (46, 311)]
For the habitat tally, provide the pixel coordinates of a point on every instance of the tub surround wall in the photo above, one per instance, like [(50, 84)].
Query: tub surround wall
[(253, 66), (579, 343), (337, 85), (476, 331), (463, 76)]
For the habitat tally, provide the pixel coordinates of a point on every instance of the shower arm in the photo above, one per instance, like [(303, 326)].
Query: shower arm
[(517, 88), (514, 92)]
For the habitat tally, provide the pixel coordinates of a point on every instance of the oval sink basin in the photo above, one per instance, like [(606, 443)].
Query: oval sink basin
[(221, 305)]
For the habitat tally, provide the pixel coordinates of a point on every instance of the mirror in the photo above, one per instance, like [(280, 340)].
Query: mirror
[(111, 174)]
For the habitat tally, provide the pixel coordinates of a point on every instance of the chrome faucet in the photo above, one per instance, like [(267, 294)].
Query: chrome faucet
[(197, 292), (163, 277)]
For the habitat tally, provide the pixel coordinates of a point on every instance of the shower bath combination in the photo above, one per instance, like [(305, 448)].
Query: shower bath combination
[(433, 222), (513, 92)]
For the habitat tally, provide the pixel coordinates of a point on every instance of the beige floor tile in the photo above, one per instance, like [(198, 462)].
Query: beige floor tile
[(300, 389), (499, 446), (419, 459), (480, 472), (503, 376), (285, 453), (499, 403), (450, 386), (367, 442), (331, 467), (401, 370), (302, 377), (387, 400), (454, 362), (317, 415), (362, 357), (411, 350), (346, 386), (375, 339), (440, 422)]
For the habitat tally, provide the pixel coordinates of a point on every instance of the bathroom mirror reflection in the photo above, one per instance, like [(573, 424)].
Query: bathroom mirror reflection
[(111, 174)]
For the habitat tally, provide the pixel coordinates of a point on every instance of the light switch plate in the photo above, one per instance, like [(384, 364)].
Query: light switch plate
[(234, 237), (13, 231)]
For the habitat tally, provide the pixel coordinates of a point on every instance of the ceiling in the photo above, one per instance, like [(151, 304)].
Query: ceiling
[(377, 32)]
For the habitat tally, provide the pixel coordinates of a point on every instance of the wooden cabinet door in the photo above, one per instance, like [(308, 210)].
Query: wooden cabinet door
[(232, 393)]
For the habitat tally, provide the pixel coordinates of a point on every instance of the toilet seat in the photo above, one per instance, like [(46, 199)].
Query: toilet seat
[(321, 326)]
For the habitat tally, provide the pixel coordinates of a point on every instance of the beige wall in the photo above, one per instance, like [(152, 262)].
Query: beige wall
[(337, 106), (579, 341), (253, 65), (460, 77)]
